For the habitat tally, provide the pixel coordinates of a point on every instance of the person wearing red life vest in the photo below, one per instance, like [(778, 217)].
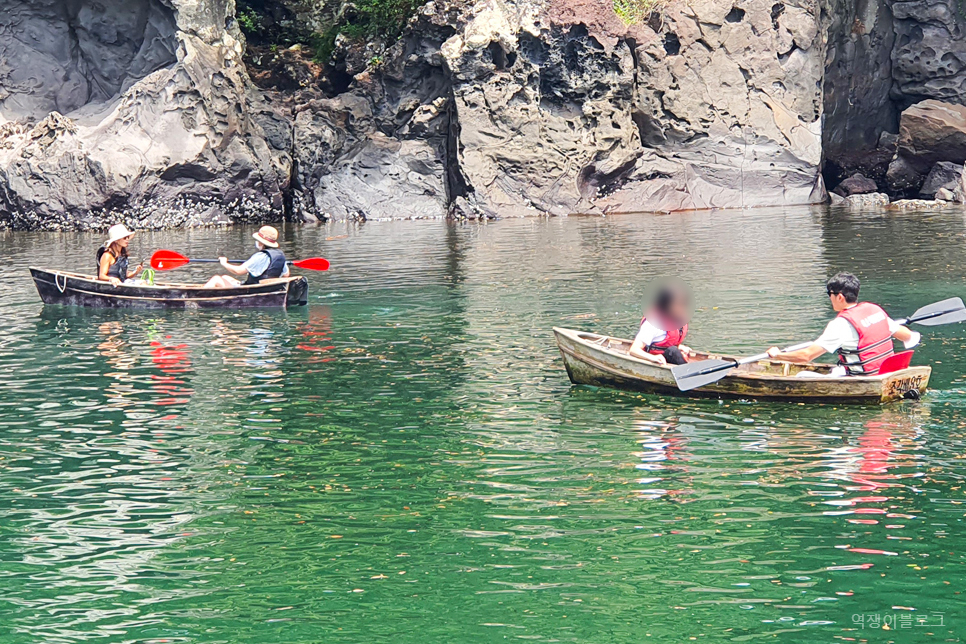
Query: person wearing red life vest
[(663, 328), (861, 333)]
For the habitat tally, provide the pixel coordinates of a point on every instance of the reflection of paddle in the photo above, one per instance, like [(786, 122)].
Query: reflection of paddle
[(166, 260), (698, 374)]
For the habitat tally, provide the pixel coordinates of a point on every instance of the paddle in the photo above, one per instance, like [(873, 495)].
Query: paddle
[(698, 374), (166, 260)]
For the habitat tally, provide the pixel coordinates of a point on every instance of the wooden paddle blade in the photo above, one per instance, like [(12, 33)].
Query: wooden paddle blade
[(313, 264), (698, 374), (946, 312), (166, 260)]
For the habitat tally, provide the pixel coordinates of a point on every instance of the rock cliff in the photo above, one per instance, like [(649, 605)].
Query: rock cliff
[(154, 112), (132, 109)]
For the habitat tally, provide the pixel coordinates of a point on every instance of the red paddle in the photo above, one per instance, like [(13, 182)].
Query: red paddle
[(166, 260)]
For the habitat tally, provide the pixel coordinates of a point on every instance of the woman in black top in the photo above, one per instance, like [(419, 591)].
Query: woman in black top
[(112, 256)]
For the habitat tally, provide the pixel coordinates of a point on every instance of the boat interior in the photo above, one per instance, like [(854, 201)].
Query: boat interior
[(168, 285), (762, 367)]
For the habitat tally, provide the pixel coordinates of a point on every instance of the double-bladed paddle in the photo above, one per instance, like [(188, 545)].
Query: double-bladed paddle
[(698, 374), (166, 260)]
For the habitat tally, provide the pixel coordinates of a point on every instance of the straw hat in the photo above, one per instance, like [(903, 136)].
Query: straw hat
[(116, 232), (268, 236)]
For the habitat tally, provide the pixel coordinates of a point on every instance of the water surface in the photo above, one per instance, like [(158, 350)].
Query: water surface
[(405, 457)]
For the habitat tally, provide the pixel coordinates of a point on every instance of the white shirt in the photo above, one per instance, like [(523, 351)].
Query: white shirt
[(649, 334), (840, 334), (259, 263)]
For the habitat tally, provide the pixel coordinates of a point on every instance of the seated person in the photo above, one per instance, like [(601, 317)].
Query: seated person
[(112, 256), (663, 329), (861, 333), (267, 263)]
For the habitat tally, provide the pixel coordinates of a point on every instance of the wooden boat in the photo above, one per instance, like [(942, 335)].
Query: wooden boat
[(73, 289), (603, 361)]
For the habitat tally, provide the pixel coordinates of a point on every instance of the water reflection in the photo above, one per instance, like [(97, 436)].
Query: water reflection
[(407, 449), (664, 459)]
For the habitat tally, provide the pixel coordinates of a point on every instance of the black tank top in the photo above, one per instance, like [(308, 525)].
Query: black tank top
[(118, 269)]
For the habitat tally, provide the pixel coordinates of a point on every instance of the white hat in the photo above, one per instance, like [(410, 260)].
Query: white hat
[(116, 232), (268, 236)]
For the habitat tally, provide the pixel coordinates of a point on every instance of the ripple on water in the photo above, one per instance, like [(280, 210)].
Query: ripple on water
[(405, 457)]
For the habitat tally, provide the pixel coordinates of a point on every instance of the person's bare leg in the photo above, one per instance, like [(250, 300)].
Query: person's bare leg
[(218, 281)]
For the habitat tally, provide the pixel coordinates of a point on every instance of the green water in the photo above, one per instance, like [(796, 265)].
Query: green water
[(404, 458)]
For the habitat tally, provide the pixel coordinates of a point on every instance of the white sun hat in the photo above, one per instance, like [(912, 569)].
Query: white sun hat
[(116, 232)]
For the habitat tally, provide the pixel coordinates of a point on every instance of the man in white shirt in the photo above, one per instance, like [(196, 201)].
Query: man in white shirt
[(861, 334), (267, 263)]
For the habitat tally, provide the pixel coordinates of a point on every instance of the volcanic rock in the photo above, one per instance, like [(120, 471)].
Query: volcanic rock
[(857, 184), (932, 131), (944, 175)]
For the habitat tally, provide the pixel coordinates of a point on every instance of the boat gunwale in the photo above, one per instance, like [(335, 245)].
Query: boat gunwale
[(737, 373), (166, 285), (589, 362)]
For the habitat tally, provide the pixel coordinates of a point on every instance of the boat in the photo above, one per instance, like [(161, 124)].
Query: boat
[(603, 361), (74, 289)]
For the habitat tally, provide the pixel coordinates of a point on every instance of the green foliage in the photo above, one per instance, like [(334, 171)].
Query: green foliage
[(632, 12), (385, 18), (323, 44), (249, 21), (362, 20)]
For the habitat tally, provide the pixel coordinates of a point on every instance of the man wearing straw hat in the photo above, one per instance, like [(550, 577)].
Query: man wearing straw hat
[(268, 263), (112, 256)]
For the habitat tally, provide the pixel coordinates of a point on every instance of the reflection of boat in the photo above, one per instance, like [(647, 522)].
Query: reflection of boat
[(73, 289), (601, 360)]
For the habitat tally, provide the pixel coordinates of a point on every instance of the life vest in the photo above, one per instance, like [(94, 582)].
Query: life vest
[(875, 340), (276, 265), (675, 336), (118, 269)]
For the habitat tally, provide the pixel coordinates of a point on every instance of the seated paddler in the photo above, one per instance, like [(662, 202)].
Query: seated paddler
[(660, 338), (267, 263), (112, 259), (861, 334)]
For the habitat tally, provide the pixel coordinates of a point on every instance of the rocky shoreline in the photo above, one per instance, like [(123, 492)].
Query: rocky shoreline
[(158, 113)]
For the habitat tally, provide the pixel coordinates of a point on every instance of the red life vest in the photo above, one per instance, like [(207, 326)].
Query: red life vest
[(675, 336), (875, 340)]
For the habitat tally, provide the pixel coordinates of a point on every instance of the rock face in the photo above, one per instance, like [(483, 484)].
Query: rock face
[(869, 200), (715, 107), (902, 177), (944, 176), (146, 112), (931, 149), (884, 57), (857, 184), (554, 107), (504, 108), (348, 167), (857, 88), (932, 131), (928, 60), (490, 108)]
